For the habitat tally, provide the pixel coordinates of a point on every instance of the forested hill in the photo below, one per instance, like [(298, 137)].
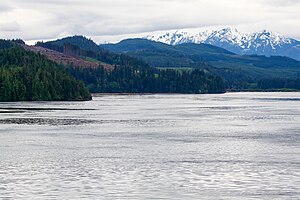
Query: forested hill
[(131, 75), (77, 40), (80, 46), (27, 76)]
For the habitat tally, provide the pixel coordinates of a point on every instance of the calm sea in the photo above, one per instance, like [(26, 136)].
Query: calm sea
[(224, 146)]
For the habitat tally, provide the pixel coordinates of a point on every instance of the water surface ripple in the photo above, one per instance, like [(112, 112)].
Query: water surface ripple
[(228, 146)]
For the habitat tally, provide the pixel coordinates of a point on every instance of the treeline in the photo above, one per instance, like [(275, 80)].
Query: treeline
[(4, 44), (147, 80), (26, 76), (277, 83)]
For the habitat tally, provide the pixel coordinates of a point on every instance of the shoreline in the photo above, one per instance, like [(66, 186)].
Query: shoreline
[(144, 94), (229, 91), (266, 90)]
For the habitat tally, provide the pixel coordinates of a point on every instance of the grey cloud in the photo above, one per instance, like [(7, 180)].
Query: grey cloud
[(282, 2), (10, 27), (101, 18), (5, 8)]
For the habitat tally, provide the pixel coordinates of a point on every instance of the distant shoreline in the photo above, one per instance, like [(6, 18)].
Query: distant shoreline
[(124, 93), (266, 90), (229, 91)]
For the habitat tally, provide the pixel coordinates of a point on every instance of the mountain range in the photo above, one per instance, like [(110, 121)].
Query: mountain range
[(217, 60), (229, 65), (265, 42), (141, 65)]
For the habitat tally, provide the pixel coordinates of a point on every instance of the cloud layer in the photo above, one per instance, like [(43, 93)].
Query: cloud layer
[(107, 19)]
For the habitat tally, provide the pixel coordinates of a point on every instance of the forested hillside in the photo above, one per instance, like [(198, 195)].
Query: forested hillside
[(227, 64), (87, 49), (26, 76), (148, 80), (131, 75), (247, 72)]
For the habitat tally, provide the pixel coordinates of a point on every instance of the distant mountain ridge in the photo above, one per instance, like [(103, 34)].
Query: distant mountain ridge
[(135, 52), (191, 55), (265, 42)]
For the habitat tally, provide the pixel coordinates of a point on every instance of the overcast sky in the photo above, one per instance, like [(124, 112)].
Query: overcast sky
[(111, 20)]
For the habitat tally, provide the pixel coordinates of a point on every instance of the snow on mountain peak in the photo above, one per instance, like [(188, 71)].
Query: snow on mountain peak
[(264, 42)]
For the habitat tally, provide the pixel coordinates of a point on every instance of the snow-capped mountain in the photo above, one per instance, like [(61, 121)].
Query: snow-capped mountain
[(261, 43)]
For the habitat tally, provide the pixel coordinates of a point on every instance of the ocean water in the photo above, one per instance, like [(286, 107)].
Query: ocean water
[(221, 146)]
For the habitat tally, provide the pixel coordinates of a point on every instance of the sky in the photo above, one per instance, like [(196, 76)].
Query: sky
[(113, 20)]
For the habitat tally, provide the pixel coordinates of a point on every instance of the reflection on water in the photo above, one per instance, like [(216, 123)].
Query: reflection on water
[(40, 109), (278, 99), (45, 121), (228, 146)]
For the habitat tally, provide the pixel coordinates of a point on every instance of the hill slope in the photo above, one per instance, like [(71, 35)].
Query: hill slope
[(83, 48), (64, 59)]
